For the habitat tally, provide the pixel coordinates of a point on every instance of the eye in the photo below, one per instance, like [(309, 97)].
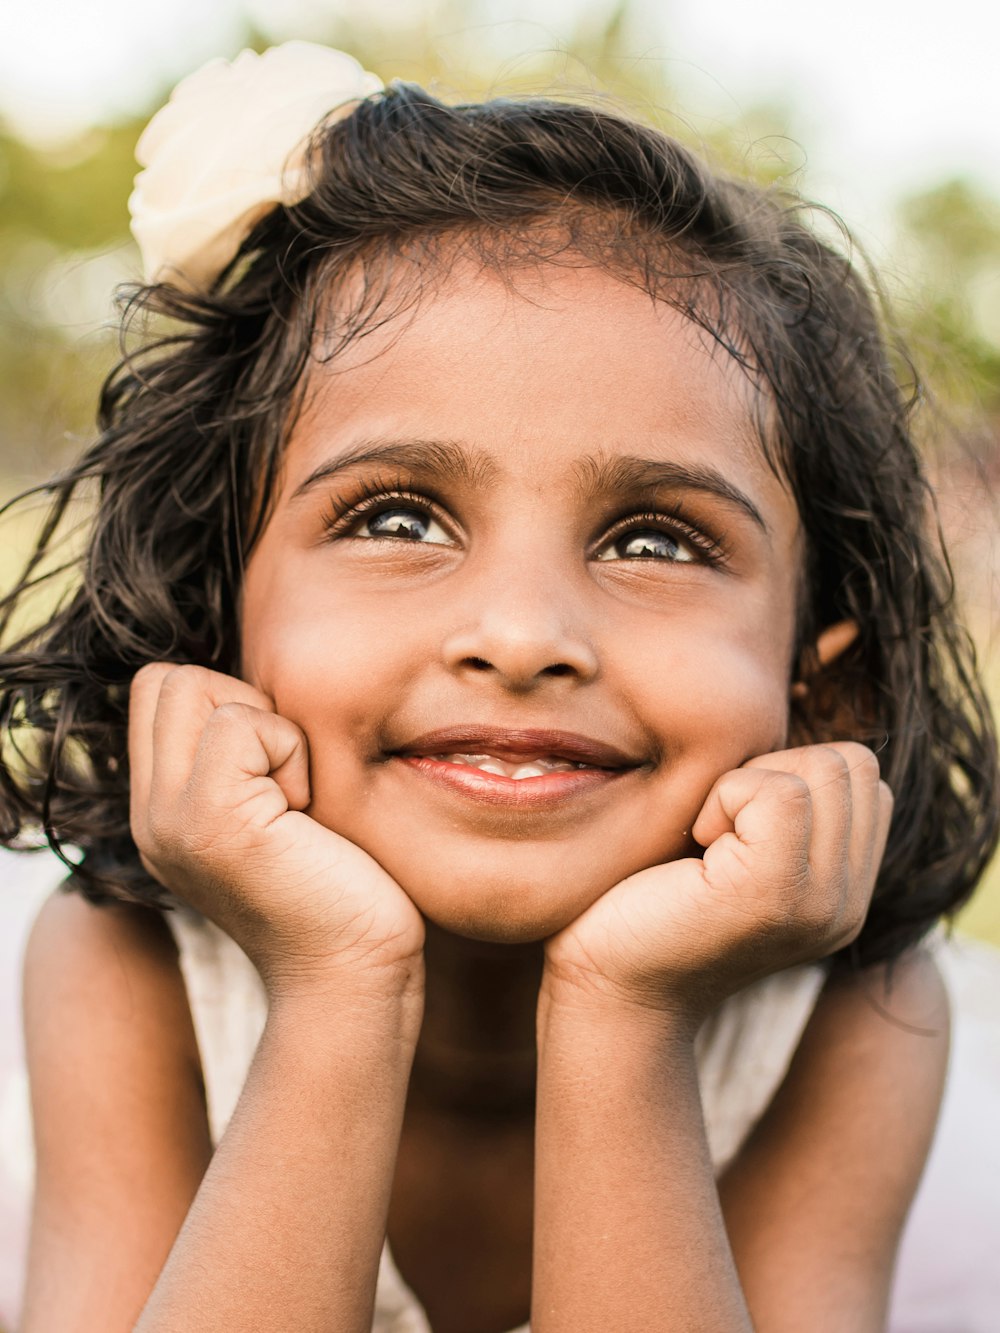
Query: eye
[(647, 544), (401, 522), (668, 540)]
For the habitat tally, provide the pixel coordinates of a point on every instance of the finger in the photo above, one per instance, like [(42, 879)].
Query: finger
[(241, 745), (863, 854), (868, 803), (886, 806), (839, 775), (188, 696), (769, 815), (143, 698), (844, 780), (865, 884)]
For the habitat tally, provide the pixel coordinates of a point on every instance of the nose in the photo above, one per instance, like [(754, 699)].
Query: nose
[(520, 631)]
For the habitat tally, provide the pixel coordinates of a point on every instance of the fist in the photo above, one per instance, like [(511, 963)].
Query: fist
[(792, 846), (219, 794)]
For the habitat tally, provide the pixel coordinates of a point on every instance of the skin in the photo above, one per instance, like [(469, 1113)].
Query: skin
[(481, 1015), (514, 588)]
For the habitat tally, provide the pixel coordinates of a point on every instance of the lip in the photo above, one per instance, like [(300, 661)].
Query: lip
[(523, 743), (548, 792), (606, 764)]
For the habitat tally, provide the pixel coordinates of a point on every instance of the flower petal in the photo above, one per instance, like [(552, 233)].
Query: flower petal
[(227, 147)]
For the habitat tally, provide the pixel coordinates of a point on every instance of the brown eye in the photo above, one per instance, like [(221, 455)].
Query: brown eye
[(403, 524), (649, 544)]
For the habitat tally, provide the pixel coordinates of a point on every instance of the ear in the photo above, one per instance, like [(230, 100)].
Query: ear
[(834, 640), (830, 644)]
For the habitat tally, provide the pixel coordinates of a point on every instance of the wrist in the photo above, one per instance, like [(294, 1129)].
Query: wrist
[(599, 1061), (567, 1004), (387, 1001), (581, 995)]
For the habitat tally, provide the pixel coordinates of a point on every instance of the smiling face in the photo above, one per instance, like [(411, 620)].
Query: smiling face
[(525, 511)]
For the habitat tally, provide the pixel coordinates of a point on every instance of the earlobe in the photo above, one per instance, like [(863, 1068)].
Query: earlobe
[(830, 644)]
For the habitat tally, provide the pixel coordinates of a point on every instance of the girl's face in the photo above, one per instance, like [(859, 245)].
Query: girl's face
[(532, 508)]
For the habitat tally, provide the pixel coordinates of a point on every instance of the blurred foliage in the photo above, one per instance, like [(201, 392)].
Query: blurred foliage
[(954, 230), (59, 211), (64, 241)]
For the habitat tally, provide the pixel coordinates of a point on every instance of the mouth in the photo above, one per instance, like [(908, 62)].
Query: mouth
[(520, 768), (535, 767)]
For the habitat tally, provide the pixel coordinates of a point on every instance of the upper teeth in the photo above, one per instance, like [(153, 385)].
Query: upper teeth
[(487, 763)]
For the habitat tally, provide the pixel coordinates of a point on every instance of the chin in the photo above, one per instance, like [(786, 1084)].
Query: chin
[(502, 911)]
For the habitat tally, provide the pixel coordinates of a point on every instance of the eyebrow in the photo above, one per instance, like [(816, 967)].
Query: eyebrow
[(451, 461), (598, 474), (443, 460)]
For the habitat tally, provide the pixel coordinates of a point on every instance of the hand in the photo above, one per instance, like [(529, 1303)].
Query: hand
[(793, 842), (219, 786)]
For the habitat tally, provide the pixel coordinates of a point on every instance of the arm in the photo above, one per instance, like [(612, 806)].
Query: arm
[(816, 1201), (630, 1223), (287, 1222), (121, 1136), (287, 1225), (628, 1228), (628, 1214), (287, 1228)]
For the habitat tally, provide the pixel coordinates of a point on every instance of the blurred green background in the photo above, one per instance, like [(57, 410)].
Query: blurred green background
[(933, 231)]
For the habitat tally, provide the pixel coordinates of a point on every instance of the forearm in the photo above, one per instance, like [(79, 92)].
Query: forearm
[(628, 1229), (287, 1227)]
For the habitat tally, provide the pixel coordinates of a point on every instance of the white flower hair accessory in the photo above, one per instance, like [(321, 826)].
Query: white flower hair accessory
[(228, 146)]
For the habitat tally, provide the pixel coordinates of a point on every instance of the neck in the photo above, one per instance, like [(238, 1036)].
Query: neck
[(476, 1053)]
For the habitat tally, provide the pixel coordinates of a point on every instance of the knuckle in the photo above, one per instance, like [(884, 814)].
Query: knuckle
[(149, 678), (182, 676), (792, 788), (832, 762), (859, 758), (232, 714), (817, 924), (140, 836), (853, 914), (151, 869), (824, 766), (849, 929), (156, 829), (854, 926)]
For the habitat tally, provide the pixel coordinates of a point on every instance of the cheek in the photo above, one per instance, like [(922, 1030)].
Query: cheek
[(334, 665), (716, 697), (735, 711)]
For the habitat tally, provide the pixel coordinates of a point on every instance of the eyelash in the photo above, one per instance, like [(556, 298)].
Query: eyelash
[(374, 496), (710, 548)]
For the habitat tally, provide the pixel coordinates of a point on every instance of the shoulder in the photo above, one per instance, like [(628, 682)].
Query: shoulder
[(71, 928), (821, 1189), (120, 1129), (106, 1016), (88, 966), (908, 989), (884, 1028), (871, 1064)]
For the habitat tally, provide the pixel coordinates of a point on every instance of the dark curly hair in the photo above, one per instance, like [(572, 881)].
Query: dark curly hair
[(193, 423)]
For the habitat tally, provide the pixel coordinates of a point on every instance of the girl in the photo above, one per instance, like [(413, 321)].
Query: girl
[(548, 742)]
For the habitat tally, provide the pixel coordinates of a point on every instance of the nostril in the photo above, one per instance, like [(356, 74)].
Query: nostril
[(480, 663), (558, 669)]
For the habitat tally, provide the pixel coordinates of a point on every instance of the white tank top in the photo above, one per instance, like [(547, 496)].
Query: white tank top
[(742, 1054)]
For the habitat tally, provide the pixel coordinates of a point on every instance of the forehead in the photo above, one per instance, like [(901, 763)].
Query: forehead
[(539, 368)]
